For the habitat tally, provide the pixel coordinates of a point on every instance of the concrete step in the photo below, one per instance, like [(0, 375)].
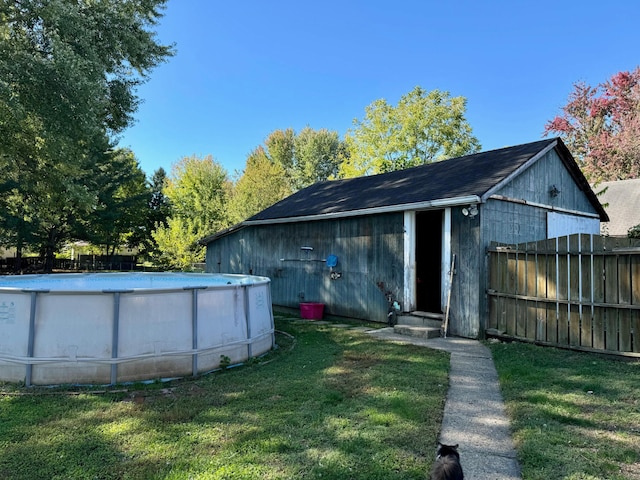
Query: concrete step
[(415, 331), (418, 321)]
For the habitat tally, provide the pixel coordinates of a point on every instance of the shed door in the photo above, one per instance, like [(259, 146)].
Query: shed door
[(429, 261)]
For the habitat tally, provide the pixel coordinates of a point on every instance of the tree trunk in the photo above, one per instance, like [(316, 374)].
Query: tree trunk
[(17, 267), (49, 251)]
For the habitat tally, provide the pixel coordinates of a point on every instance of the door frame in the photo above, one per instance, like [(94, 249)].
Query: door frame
[(410, 274)]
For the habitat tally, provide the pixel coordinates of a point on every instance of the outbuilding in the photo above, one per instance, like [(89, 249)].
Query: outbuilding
[(362, 245)]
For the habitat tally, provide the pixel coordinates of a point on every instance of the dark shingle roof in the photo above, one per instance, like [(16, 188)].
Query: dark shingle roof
[(471, 175), (446, 183)]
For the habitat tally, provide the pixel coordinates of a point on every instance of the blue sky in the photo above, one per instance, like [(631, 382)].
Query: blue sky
[(245, 68)]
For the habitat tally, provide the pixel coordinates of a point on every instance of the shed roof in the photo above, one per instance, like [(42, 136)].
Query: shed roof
[(445, 183), (462, 180), (622, 202)]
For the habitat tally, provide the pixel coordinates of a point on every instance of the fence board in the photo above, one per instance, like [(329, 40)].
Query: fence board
[(574, 325), (611, 329), (532, 320), (581, 291), (495, 276), (552, 323), (624, 331), (611, 296), (624, 279), (575, 265), (635, 279), (586, 327), (563, 325), (635, 325), (511, 307), (598, 328)]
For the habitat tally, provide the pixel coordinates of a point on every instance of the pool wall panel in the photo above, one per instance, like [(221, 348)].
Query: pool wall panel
[(106, 337), (69, 327), (14, 334)]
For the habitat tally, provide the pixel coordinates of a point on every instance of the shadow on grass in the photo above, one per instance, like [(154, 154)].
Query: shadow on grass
[(339, 405)]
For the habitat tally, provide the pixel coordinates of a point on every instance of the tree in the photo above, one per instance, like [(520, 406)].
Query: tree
[(69, 69), (601, 127), (68, 72), (177, 243), (424, 127), (306, 157), (158, 203), (262, 184), (280, 149), (198, 191), (157, 211), (318, 155), (39, 205), (121, 209), (287, 162)]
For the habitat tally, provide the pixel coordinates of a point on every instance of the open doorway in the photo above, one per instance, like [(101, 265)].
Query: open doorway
[(428, 249)]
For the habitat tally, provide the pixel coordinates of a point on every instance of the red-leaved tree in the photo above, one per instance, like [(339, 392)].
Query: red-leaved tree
[(601, 127)]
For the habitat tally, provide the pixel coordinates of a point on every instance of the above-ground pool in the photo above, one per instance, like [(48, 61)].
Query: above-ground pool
[(108, 328)]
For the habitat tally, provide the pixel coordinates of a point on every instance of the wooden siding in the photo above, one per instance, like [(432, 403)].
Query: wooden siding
[(464, 316), (534, 185), (370, 261)]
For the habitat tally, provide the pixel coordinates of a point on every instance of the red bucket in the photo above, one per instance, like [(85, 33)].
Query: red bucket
[(312, 310)]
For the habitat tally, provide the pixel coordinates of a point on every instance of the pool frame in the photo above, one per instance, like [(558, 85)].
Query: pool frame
[(195, 328)]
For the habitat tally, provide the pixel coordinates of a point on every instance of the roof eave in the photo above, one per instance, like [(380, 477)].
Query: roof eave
[(210, 238), (580, 179), (439, 203), (519, 170)]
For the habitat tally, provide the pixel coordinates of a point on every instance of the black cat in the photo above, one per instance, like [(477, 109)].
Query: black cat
[(447, 465)]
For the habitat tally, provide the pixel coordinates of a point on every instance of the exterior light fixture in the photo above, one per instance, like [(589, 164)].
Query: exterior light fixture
[(470, 211)]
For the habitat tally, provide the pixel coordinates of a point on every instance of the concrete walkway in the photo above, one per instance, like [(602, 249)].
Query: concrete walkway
[(474, 412)]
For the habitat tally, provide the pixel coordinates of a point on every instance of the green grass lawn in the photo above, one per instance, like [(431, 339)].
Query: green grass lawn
[(334, 404), (574, 416)]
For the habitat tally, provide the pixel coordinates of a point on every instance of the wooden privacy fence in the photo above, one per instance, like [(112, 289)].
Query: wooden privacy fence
[(580, 291)]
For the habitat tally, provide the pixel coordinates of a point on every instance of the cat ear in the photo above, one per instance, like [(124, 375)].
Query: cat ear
[(456, 446)]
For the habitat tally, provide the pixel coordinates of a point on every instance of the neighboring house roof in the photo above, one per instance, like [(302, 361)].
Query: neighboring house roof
[(622, 203), (458, 181)]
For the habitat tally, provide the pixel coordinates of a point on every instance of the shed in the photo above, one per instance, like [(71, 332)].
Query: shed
[(394, 234), (621, 200)]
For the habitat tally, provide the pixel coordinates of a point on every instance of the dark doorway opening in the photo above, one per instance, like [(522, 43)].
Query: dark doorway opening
[(429, 261)]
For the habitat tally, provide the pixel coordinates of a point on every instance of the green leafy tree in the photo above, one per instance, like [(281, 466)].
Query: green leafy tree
[(262, 184), (424, 127), (287, 162), (68, 72), (197, 190), (123, 197), (177, 243), (159, 203), (318, 155), (157, 211), (39, 206), (280, 149)]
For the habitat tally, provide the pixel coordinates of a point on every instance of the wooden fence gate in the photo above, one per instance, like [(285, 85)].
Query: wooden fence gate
[(580, 291)]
